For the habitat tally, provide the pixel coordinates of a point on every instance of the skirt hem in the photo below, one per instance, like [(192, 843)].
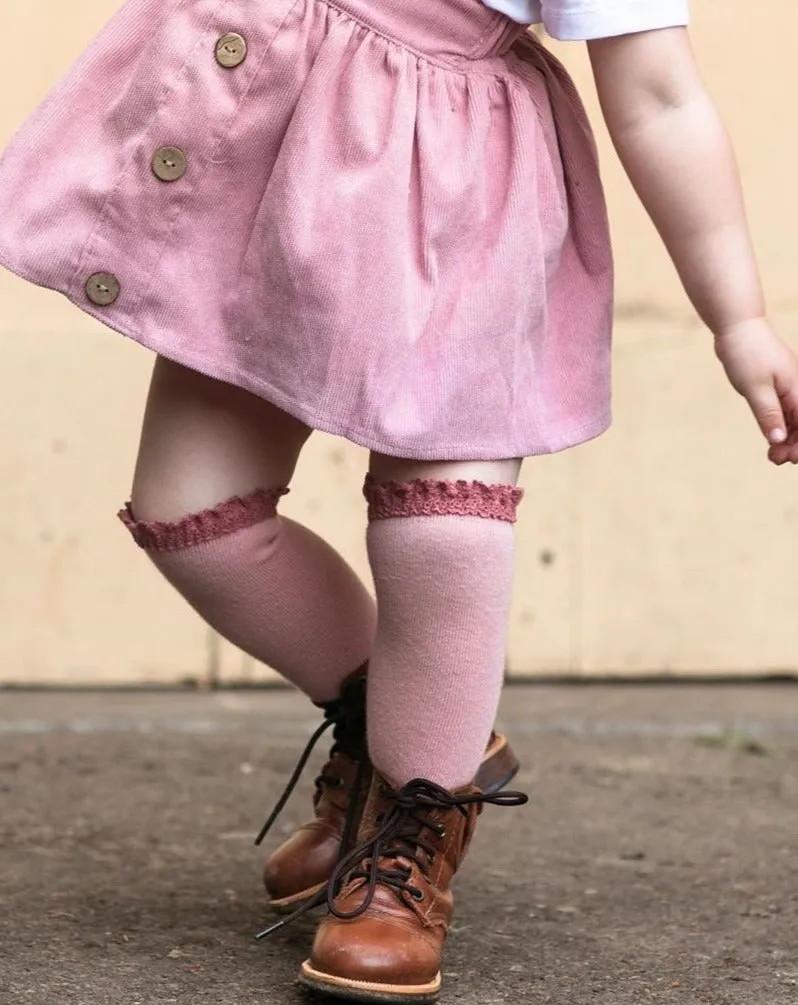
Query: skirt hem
[(262, 389)]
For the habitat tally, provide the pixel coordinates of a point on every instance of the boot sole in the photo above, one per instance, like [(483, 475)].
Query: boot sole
[(364, 991), (287, 905), (499, 767)]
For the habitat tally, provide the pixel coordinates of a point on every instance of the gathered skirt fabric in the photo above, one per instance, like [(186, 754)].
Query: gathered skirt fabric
[(386, 218)]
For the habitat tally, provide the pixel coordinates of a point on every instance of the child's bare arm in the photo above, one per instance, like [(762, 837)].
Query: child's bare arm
[(678, 156)]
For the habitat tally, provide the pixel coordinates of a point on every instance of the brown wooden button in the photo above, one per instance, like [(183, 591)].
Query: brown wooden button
[(102, 289), (169, 163), (231, 50)]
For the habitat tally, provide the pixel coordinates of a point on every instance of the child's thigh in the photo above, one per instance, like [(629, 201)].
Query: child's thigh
[(204, 441), (393, 469)]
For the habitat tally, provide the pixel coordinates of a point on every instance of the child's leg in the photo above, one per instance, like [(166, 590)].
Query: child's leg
[(265, 583), (441, 552)]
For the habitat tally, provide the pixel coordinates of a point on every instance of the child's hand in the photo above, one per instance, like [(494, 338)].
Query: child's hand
[(765, 372)]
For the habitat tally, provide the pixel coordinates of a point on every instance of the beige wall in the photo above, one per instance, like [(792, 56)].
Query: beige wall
[(669, 545)]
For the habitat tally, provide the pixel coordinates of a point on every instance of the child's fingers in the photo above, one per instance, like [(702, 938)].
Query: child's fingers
[(784, 453), (787, 452), (767, 409)]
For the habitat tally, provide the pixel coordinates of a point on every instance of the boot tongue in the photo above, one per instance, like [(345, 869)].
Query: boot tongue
[(349, 713), (402, 834)]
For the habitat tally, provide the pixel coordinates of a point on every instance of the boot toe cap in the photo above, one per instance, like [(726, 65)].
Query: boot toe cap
[(376, 951), (306, 860)]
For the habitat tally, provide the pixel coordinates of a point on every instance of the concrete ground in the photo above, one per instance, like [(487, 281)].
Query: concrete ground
[(657, 860)]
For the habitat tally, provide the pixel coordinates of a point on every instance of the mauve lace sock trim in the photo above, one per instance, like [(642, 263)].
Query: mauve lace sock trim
[(428, 497), (227, 518)]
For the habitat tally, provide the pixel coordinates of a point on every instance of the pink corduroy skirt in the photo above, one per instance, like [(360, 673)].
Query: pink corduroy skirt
[(383, 216)]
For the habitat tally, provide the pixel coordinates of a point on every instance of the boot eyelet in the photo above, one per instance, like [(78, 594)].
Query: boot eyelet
[(340, 783), (441, 832), (416, 894)]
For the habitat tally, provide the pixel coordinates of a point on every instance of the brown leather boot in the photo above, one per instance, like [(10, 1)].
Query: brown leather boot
[(384, 937), (302, 866)]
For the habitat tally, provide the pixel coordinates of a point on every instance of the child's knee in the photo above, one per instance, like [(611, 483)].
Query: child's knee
[(214, 558), (428, 497), (226, 519)]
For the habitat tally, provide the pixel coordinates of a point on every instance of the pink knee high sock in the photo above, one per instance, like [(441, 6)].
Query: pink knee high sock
[(442, 558), (270, 586)]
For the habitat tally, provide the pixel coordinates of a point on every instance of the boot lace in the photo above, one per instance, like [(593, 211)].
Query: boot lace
[(384, 858), (347, 719)]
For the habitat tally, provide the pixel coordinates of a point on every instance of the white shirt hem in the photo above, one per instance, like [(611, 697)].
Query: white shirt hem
[(590, 23)]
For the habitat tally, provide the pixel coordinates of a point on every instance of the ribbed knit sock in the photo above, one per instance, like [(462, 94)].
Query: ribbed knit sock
[(270, 586), (442, 558)]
